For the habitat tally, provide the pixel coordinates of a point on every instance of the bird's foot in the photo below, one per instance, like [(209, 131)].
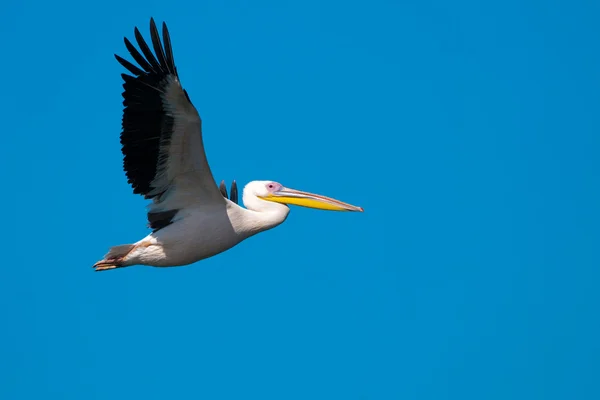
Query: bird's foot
[(105, 265)]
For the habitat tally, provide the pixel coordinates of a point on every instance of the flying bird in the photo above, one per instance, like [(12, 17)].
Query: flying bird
[(164, 160)]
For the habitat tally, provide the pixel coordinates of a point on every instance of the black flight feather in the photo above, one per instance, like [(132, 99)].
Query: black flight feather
[(234, 192), (146, 127), (169, 50), (132, 68), (137, 56), (146, 50), (223, 189), (161, 219), (160, 53)]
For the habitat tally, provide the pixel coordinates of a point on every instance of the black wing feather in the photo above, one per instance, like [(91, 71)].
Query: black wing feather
[(223, 189), (146, 126), (161, 219), (158, 49), (146, 50), (132, 68), (234, 192), (169, 50), (138, 57)]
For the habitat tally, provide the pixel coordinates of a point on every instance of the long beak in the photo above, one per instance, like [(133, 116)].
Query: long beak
[(310, 200)]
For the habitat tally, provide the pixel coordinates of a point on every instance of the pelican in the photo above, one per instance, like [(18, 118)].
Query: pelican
[(191, 218)]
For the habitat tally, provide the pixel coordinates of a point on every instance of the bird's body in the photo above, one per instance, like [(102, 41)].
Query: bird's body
[(185, 241), (198, 233), (164, 160)]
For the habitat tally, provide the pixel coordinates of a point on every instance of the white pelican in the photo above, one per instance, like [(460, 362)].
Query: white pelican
[(163, 157)]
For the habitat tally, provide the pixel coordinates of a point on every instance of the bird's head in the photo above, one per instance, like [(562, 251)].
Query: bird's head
[(259, 194)]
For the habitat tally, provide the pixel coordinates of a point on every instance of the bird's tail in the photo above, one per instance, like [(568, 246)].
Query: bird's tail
[(114, 258)]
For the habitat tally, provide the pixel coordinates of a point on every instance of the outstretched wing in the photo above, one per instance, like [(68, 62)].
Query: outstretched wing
[(163, 151)]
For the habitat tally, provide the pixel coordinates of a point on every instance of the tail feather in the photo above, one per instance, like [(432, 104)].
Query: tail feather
[(118, 251), (114, 258)]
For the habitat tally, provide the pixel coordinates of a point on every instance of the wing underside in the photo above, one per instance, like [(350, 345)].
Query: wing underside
[(161, 138)]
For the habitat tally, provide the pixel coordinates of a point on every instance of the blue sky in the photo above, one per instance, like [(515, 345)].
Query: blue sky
[(468, 132)]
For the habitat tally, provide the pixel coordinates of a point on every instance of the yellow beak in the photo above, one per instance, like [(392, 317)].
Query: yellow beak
[(310, 200)]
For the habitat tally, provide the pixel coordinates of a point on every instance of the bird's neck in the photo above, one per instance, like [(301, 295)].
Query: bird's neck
[(250, 222)]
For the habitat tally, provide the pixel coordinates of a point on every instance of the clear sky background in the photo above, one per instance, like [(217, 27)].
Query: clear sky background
[(470, 134)]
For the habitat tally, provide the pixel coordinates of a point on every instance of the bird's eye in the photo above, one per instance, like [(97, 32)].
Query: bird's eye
[(273, 186)]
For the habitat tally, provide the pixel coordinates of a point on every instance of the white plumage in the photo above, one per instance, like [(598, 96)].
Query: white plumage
[(164, 160)]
